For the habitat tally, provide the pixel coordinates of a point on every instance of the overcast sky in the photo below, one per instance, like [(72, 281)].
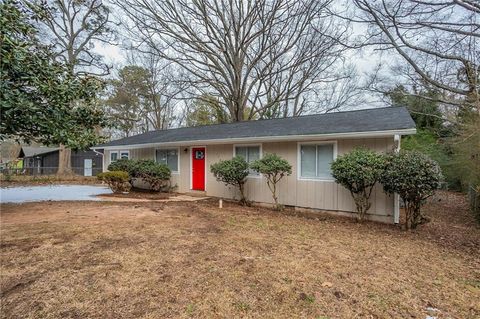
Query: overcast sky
[(365, 61)]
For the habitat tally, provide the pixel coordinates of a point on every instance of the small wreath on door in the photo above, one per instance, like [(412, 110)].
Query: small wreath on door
[(199, 155)]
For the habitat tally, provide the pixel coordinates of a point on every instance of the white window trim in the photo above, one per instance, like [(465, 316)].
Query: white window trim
[(206, 165), (110, 156), (118, 155), (177, 172), (260, 155), (299, 160)]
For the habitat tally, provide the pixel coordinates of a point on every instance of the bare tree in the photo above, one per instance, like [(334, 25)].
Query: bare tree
[(251, 55), (438, 42), (345, 90), (74, 26), (164, 92)]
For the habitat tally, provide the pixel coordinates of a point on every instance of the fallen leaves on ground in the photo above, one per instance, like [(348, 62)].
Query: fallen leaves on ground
[(194, 260)]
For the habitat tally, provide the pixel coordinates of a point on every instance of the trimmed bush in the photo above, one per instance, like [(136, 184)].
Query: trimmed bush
[(116, 180), (232, 172), (414, 177), (124, 165), (273, 168), (155, 174), (359, 171)]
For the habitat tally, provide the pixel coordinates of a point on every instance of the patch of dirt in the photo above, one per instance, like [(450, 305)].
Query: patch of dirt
[(194, 260), (451, 224), (139, 194)]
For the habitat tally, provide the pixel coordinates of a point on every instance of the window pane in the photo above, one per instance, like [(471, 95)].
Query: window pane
[(241, 151), (169, 158), (253, 153), (161, 156), (307, 160), (123, 155), (172, 160), (113, 156), (324, 160), (250, 154)]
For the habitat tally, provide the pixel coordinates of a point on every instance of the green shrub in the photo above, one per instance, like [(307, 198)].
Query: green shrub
[(232, 172), (116, 180), (414, 177), (440, 150), (359, 171), (124, 165), (155, 174), (273, 168)]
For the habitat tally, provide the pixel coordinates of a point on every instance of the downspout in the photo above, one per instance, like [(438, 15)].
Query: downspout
[(396, 197), (103, 159)]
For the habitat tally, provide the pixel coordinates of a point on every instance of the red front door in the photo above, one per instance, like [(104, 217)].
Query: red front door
[(198, 168)]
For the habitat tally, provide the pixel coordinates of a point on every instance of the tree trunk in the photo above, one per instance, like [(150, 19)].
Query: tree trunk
[(416, 215), (408, 216), (273, 188), (274, 193), (64, 161), (362, 204), (243, 200)]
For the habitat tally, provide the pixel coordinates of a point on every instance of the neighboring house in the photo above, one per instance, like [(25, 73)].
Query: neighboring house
[(44, 161), (310, 143)]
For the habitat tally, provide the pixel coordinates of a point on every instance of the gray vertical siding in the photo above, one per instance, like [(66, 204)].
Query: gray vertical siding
[(326, 195)]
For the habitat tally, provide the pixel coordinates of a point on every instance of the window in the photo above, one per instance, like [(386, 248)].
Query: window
[(315, 160), (168, 157), (115, 155), (249, 153)]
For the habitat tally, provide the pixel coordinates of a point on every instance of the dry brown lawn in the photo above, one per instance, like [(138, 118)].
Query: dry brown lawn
[(193, 260)]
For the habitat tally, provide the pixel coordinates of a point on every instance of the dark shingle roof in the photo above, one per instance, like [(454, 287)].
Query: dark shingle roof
[(369, 120), (30, 151)]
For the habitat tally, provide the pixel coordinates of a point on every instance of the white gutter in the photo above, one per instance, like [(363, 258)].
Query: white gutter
[(265, 139), (396, 198), (96, 152)]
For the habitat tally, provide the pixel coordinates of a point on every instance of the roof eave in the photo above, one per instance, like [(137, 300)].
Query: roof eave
[(386, 133), (39, 154)]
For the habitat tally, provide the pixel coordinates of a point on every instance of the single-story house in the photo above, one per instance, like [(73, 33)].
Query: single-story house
[(44, 161), (310, 143)]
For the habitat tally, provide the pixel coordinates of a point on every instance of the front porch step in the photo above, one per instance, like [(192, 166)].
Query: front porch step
[(196, 193)]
